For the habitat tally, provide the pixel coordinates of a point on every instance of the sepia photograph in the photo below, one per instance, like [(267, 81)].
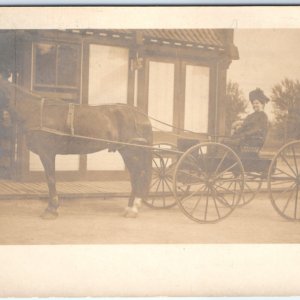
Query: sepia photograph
[(149, 134)]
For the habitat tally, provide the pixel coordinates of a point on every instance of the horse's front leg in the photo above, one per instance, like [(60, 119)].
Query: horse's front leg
[(48, 161)]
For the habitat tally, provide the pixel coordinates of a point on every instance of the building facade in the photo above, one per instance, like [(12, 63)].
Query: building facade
[(175, 76)]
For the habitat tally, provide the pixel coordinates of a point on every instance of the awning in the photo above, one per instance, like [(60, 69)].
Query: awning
[(212, 39), (205, 37)]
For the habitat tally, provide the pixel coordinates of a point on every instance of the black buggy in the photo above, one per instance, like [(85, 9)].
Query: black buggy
[(209, 180)]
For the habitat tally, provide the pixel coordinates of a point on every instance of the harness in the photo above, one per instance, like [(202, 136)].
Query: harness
[(70, 131), (69, 120)]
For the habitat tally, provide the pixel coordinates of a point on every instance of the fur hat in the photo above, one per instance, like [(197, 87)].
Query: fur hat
[(259, 95)]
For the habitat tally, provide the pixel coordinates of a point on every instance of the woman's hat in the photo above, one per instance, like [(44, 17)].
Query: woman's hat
[(259, 95)]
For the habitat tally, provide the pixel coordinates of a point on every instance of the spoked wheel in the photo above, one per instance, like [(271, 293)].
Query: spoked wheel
[(284, 181), (161, 189), (208, 182), (252, 185)]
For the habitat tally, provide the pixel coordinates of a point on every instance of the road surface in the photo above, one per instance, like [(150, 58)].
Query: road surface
[(100, 221)]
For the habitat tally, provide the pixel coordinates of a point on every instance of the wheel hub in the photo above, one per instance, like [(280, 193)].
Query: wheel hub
[(210, 182), (161, 175)]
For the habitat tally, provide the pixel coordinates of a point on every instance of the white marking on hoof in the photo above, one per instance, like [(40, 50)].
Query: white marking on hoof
[(138, 202), (49, 215), (131, 212)]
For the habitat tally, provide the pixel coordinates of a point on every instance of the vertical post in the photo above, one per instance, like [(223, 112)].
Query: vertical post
[(131, 77), (24, 80), (179, 94), (213, 99), (143, 73), (220, 96), (143, 86), (85, 56)]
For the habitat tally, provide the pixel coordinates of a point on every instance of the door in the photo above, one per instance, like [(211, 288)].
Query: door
[(178, 95), (196, 98)]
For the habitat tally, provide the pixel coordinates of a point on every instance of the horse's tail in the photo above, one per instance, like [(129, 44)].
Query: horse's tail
[(143, 128), (136, 128)]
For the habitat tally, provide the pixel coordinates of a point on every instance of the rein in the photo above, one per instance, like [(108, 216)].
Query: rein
[(108, 142), (70, 121), (72, 105)]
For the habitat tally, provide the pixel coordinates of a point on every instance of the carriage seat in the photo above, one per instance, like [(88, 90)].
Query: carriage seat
[(251, 147)]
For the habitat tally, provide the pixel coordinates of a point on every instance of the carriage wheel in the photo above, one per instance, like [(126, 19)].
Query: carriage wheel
[(284, 181), (161, 189), (252, 185), (208, 182)]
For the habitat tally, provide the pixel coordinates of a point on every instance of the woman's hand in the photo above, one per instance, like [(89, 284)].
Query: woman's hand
[(236, 125)]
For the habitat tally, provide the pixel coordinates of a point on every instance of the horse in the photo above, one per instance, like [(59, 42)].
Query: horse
[(52, 126)]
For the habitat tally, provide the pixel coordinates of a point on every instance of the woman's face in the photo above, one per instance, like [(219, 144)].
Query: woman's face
[(257, 105)]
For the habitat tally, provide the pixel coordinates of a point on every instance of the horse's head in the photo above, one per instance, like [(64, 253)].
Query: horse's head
[(7, 98)]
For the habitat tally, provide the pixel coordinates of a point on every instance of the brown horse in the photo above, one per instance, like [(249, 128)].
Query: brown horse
[(54, 127)]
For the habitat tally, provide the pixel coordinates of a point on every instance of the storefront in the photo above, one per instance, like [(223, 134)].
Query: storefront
[(175, 76)]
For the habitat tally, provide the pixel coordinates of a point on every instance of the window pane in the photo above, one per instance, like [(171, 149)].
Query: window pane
[(45, 63), (62, 162), (105, 160), (196, 98), (67, 64), (161, 93), (108, 74)]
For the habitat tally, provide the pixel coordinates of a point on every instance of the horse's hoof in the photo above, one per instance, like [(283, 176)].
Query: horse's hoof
[(131, 212), (49, 215), (138, 202)]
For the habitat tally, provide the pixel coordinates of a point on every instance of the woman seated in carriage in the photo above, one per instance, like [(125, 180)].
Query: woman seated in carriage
[(252, 131)]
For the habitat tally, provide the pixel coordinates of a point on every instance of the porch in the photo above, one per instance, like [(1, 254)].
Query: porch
[(75, 189)]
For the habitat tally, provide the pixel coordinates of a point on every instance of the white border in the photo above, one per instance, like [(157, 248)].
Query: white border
[(149, 17), (150, 270)]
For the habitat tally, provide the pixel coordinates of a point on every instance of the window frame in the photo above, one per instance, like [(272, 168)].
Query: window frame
[(55, 88)]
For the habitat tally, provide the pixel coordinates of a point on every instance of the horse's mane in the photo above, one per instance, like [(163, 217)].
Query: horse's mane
[(13, 91)]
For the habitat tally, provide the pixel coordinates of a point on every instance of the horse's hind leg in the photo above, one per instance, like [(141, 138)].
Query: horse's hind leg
[(139, 165), (48, 161), (130, 161)]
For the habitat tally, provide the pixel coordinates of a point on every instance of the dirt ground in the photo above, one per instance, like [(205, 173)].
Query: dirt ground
[(100, 221)]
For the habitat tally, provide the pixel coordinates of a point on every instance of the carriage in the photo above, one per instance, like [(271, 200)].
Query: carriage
[(207, 179)]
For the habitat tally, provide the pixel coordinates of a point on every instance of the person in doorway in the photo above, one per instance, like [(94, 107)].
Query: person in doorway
[(253, 129), (5, 126)]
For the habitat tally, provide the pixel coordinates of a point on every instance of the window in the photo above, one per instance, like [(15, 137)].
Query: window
[(108, 74), (56, 68), (161, 94), (196, 98)]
